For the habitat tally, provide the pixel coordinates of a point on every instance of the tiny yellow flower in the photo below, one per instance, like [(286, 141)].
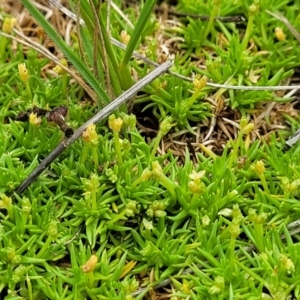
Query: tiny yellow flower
[(124, 37), (248, 128), (90, 265), (279, 34), (90, 135), (259, 167), (146, 175), (5, 202), (253, 9), (157, 171), (58, 69), (34, 120), (115, 124), (197, 175), (199, 83), (8, 25), (23, 72), (287, 263)]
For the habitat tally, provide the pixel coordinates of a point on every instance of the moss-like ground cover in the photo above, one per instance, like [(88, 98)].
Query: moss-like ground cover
[(187, 191)]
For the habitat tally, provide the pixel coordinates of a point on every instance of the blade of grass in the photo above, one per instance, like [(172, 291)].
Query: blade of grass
[(72, 57), (126, 80)]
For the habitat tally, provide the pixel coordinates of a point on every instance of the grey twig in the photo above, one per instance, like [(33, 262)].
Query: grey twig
[(95, 119)]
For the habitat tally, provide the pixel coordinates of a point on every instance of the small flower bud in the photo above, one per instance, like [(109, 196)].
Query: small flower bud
[(280, 34), (91, 185), (253, 9), (10, 253), (261, 218), (20, 270), (252, 215), (8, 25), (243, 122), (129, 120), (294, 186), (248, 128), (196, 187), (199, 83), (58, 69), (146, 175), (259, 167), (52, 230), (157, 171), (148, 224), (16, 260), (132, 208), (285, 184), (205, 221), (5, 202), (124, 37), (166, 125), (226, 212), (115, 124), (218, 286), (34, 120), (90, 135), (234, 230), (26, 206), (23, 72), (112, 176), (287, 263), (126, 145), (90, 265), (159, 213), (196, 176)]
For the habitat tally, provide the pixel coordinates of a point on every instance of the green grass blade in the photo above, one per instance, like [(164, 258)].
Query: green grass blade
[(138, 30), (72, 57)]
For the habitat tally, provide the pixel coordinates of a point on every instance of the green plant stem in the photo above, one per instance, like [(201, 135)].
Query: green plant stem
[(95, 155), (248, 32), (64, 79), (234, 153), (264, 183), (84, 153), (231, 257), (3, 43), (91, 279), (118, 148), (209, 26), (10, 211), (94, 199), (155, 145), (24, 222), (28, 89), (192, 99), (259, 236), (169, 185), (29, 288)]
